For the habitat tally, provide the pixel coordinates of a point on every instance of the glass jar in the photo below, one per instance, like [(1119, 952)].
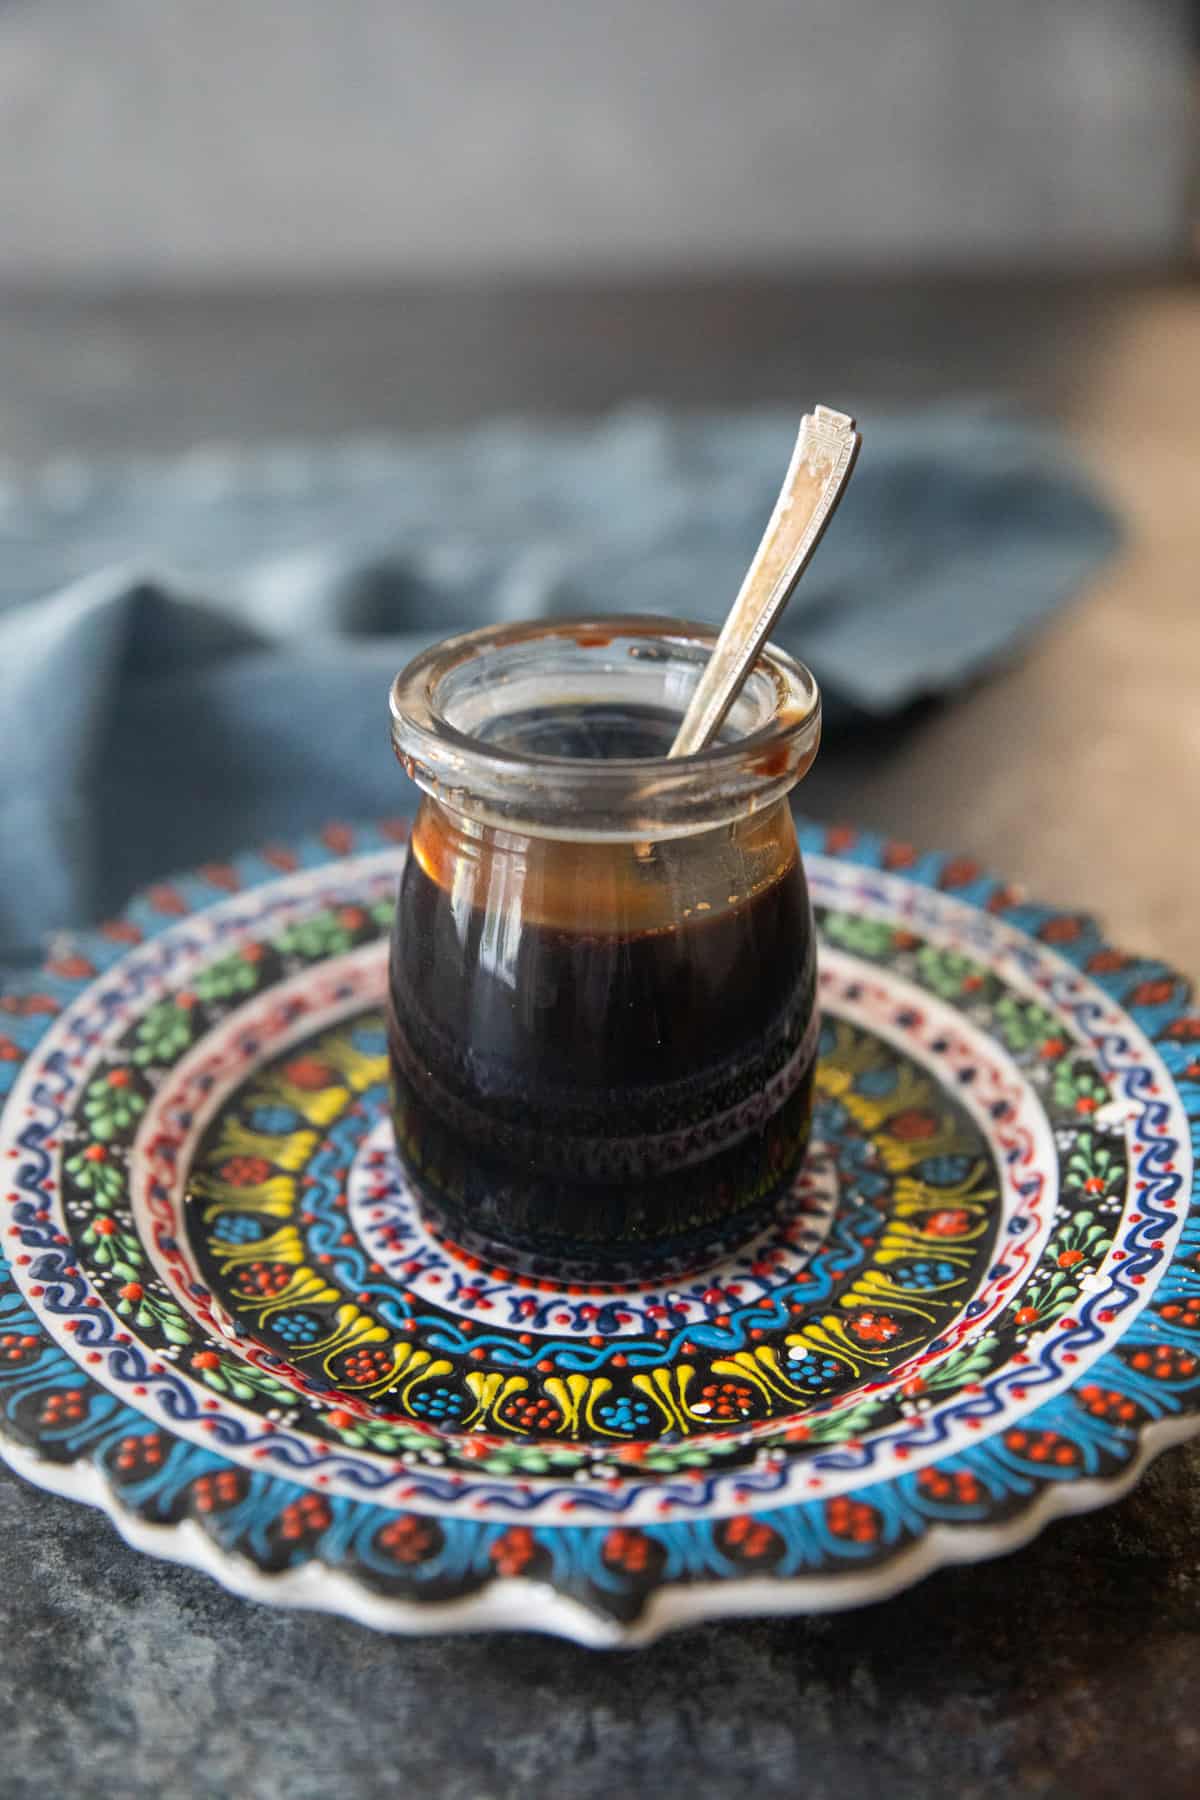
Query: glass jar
[(602, 1010)]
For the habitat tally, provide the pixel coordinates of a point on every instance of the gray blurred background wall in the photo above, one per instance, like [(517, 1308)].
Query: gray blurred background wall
[(177, 140)]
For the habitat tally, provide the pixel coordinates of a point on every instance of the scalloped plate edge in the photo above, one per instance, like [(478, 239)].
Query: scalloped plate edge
[(519, 1605)]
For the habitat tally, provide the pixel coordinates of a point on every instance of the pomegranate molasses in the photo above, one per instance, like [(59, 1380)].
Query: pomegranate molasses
[(602, 1042)]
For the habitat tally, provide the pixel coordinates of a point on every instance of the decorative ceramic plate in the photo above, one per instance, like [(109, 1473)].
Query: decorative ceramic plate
[(223, 1319)]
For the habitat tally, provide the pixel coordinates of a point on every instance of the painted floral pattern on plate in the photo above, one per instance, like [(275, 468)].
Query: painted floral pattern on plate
[(223, 1317)]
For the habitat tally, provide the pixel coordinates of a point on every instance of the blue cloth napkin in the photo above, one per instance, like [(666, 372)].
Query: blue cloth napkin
[(195, 656)]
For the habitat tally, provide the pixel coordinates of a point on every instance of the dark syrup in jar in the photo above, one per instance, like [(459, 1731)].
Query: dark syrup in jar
[(601, 1051)]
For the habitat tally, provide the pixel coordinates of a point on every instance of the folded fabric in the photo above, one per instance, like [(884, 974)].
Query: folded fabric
[(195, 656)]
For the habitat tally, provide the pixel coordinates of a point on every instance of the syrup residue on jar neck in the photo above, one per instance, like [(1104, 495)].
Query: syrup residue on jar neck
[(605, 886)]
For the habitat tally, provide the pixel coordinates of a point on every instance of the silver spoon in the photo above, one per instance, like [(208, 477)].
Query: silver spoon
[(817, 475)]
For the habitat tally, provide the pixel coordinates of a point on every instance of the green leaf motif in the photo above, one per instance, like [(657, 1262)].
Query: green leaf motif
[(1077, 1087), (530, 1459), (1023, 1025), (148, 1309), (861, 937), (236, 974), (1091, 1161), (110, 1108), (322, 935), (163, 1034), (665, 1458), (970, 1362), (242, 1381), (103, 1180), (946, 973), (120, 1251), (388, 1436)]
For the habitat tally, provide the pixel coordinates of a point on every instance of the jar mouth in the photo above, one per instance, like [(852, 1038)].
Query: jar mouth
[(461, 717)]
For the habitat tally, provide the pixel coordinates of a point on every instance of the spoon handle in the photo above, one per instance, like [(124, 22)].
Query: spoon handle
[(817, 475)]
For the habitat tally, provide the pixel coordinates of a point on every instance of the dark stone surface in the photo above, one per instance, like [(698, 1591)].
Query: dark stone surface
[(144, 372), (1071, 1669)]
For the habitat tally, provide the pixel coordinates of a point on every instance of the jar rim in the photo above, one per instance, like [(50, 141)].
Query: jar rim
[(576, 796)]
